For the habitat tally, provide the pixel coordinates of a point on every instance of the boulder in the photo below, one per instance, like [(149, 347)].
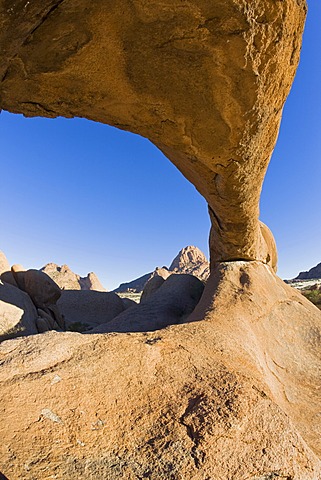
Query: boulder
[(17, 271), (151, 286), (17, 313), (48, 318), (42, 290), (170, 304), (155, 281), (57, 316), (89, 307), (43, 325)]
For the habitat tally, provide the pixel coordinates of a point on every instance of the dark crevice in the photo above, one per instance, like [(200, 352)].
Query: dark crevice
[(216, 218), (25, 41), (238, 259), (2, 80), (197, 454), (41, 107), (43, 19)]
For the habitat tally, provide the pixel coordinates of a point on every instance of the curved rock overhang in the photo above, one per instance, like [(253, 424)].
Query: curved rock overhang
[(204, 81)]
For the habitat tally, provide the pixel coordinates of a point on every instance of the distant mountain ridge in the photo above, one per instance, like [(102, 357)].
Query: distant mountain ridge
[(190, 260), (313, 273)]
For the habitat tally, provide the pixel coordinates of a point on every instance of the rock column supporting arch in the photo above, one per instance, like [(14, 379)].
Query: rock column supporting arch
[(205, 81)]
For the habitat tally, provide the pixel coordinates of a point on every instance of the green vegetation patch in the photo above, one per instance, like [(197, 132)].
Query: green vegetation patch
[(313, 294)]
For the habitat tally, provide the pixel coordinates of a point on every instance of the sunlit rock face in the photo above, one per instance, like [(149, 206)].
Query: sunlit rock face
[(228, 398), (205, 81), (68, 280), (236, 394)]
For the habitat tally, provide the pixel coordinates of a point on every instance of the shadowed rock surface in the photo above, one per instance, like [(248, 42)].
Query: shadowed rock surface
[(151, 286), (42, 290), (169, 304), (128, 303), (27, 302), (89, 307)]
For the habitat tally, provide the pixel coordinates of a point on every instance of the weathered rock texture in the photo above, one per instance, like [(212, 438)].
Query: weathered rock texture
[(205, 400), (278, 328), (205, 81), (68, 280), (227, 397), (192, 261)]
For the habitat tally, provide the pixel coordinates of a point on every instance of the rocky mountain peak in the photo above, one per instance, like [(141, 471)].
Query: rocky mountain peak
[(188, 257), (190, 260), (68, 280)]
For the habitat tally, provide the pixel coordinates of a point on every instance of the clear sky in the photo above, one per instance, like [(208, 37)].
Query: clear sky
[(103, 200)]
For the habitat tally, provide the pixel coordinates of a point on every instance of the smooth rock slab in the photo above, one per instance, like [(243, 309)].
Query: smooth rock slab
[(161, 406), (169, 304), (89, 307)]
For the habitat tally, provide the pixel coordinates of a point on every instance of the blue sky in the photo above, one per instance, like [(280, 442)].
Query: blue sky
[(104, 200)]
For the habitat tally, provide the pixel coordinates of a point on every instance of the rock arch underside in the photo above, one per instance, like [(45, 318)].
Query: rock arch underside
[(234, 392)]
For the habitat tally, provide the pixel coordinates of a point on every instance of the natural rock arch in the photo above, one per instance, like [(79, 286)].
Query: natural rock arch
[(206, 83)]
